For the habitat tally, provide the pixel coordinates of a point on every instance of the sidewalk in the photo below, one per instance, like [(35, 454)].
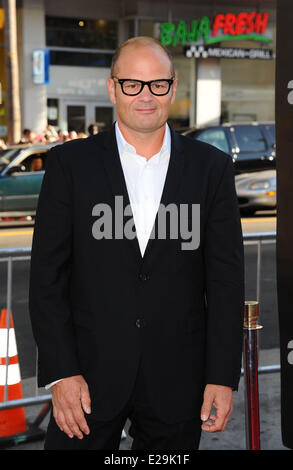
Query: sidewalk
[(233, 438)]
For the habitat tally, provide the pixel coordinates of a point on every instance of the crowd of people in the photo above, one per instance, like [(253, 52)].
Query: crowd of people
[(51, 135)]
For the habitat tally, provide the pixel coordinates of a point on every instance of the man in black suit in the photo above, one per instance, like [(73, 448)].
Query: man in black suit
[(132, 321)]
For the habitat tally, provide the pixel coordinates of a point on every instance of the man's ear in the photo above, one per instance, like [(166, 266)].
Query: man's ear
[(174, 88), (111, 90)]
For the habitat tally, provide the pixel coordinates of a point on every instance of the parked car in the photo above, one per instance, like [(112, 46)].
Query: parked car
[(21, 172), (252, 146), (256, 191)]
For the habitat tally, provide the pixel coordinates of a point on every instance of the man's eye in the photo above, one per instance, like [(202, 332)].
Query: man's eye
[(160, 85), (132, 85)]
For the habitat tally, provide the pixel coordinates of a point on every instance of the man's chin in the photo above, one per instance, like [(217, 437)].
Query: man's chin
[(148, 125)]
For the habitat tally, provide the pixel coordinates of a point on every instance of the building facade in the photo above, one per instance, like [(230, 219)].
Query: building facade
[(224, 55)]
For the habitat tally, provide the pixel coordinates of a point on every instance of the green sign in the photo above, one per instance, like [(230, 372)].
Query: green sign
[(225, 27)]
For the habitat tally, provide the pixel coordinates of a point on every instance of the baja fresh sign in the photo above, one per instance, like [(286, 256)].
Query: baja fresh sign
[(225, 27)]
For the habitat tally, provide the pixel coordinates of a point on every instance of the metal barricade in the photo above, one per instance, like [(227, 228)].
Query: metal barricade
[(250, 351), (11, 255), (258, 238), (33, 432)]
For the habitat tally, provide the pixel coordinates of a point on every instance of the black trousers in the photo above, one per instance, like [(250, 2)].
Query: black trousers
[(147, 431)]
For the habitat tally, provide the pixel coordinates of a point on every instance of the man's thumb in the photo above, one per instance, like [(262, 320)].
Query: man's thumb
[(206, 407), (85, 400)]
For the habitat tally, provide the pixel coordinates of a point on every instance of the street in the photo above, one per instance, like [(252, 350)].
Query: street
[(17, 236)]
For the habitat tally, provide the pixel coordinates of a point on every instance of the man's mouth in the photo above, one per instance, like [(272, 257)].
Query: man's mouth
[(145, 110)]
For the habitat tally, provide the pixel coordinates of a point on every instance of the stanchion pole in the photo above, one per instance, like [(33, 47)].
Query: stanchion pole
[(251, 375)]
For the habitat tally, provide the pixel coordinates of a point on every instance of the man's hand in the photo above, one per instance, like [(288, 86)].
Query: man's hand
[(70, 398), (221, 398)]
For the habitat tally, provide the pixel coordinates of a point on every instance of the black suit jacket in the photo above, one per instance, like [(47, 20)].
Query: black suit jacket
[(98, 307)]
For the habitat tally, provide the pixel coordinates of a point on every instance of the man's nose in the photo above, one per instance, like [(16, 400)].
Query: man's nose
[(145, 93)]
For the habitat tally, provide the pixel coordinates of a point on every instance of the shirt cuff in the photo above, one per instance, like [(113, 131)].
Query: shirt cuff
[(51, 384)]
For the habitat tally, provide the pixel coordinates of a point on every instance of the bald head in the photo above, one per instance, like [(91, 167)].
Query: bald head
[(136, 44)]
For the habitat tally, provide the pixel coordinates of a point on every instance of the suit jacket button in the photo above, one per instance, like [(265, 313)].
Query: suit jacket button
[(140, 323)]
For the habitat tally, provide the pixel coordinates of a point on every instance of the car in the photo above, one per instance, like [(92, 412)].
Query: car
[(256, 191), (22, 168), (252, 145)]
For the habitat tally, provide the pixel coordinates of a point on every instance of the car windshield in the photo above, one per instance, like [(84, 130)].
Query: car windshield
[(6, 156)]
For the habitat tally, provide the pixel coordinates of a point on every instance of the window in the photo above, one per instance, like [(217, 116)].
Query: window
[(249, 138), (104, 117), (270, 128), (216, 137), (6, 156), (35, 162), (80, 59), (248, 89), (52, 111), (76, 117), (81, 33)]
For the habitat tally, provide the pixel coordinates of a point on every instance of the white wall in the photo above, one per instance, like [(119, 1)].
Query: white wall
[(208, 92), (78, 82)]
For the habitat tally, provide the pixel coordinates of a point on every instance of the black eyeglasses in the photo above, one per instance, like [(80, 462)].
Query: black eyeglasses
[(133, 87)]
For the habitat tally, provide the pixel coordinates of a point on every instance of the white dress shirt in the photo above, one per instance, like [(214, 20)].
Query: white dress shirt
[(145, 181)]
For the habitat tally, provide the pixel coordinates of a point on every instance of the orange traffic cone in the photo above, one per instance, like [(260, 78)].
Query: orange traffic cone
[(12, 421)]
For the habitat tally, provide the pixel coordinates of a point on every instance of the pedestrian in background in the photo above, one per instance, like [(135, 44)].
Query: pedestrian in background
[(28, 137), (3, 145), (93, 129)]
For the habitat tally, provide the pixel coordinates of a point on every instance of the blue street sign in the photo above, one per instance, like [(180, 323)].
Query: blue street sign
[(41, 64)]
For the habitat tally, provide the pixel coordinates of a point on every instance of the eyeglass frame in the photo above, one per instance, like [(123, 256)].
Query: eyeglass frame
[(143, 83)]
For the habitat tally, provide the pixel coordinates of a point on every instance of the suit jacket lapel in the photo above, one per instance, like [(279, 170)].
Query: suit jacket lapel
[(117, 181), (172, 182), (175, 170)]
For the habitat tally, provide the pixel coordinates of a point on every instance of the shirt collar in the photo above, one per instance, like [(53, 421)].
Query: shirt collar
[(124, 146)]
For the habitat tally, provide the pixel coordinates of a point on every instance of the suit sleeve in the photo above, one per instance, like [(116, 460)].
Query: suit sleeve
[(224, 273), (49, 276)]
